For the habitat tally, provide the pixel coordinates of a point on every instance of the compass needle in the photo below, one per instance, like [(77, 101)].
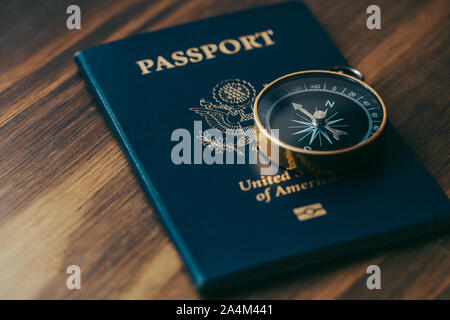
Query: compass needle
[(336, 132), (300, 107), (303, 117)]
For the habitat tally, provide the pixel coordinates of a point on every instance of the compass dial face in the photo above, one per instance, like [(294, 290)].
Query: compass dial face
[(320, 111)]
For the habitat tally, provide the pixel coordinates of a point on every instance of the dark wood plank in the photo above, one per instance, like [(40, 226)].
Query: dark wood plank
[(68, 196)]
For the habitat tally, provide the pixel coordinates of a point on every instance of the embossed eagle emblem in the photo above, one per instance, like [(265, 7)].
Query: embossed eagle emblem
[(232, 110)]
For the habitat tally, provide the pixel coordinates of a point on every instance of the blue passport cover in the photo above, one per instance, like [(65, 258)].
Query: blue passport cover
[(227, 227)]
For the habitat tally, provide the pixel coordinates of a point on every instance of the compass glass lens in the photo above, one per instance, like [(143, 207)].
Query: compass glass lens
[(320, 111)]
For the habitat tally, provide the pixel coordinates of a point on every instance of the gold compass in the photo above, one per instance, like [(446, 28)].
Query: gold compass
[(321, 121)]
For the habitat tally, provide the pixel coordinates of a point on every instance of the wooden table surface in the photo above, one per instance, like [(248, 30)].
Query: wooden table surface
[(68, 195)]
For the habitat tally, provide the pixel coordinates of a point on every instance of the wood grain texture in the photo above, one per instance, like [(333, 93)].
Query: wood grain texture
[(68, 196)]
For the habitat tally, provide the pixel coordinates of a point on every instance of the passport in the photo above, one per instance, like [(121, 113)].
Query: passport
[(230, 225)]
